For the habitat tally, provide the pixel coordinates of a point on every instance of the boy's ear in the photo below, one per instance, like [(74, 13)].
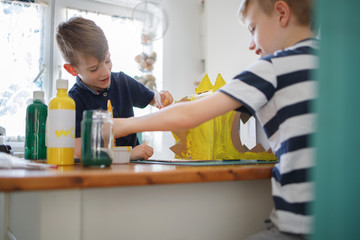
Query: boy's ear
[(70, 69), (282, 9)]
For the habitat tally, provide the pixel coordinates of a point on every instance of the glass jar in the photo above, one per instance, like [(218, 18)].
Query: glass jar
[(97, 138)]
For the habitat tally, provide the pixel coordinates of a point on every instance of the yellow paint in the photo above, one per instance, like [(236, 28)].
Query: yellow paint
[(65, 133), (61, 132)]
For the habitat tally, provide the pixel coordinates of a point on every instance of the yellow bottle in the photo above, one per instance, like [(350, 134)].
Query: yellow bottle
[(61, 127)]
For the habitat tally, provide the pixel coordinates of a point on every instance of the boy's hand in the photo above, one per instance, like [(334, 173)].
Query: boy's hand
[(142, 151), (166, 98)]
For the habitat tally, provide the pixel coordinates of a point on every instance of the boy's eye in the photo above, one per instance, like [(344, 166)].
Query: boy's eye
[(108, 61), (93, 70), (251, 29)]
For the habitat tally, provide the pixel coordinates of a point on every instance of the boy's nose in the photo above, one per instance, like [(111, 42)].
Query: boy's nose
[(105, 69), (252, 45)]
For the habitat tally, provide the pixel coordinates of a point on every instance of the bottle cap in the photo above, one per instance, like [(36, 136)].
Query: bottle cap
[(62, 84), (38, 95)]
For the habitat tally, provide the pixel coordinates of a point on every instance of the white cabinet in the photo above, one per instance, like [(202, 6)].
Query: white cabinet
[(213, 210)]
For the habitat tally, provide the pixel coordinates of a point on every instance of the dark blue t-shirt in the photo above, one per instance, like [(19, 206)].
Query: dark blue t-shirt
[(124, 93)]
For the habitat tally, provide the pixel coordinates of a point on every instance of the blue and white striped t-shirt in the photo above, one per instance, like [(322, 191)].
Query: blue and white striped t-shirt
[(279, 89)]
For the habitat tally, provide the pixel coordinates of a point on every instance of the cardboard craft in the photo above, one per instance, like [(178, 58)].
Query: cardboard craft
[(218, 138)]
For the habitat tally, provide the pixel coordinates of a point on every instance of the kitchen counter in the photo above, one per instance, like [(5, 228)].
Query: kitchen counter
[(70, 177), (135, 201)]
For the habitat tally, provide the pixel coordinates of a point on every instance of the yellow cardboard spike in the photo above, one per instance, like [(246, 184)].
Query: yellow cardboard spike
[(205, 85), (219, 82)]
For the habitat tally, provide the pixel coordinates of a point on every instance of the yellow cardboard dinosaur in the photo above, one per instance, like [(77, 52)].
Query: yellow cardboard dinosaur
[(218, 138)]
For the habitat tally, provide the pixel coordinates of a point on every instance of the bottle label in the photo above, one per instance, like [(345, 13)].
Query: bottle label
[(61, 128)]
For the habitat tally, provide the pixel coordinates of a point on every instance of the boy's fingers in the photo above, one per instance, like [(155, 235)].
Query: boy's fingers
[(167, 98)]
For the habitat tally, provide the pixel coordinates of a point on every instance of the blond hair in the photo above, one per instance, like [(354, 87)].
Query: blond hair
[(302, 9), (80, 36)]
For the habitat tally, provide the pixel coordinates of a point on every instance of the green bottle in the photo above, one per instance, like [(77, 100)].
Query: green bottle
[(36, 114)]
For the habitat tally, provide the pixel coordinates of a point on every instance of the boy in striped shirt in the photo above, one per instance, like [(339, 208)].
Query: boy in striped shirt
[(278, 89)]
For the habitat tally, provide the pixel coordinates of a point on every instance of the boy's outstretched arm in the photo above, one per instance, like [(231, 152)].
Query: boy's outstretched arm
[(181, 115)]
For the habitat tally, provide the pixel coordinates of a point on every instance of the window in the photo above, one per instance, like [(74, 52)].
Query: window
[(29, 51), (21, 47)]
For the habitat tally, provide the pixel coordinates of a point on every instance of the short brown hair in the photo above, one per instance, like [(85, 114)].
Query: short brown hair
[(80, 36), (302, 9)]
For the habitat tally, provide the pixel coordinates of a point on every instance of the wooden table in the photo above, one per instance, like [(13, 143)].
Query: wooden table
[(135, 201)]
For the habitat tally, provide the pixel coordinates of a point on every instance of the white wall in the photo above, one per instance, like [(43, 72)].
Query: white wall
[(227, 40), (225, 43), (182, 65)]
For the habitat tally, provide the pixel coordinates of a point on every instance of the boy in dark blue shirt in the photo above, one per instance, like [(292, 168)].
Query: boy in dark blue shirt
[(85, 49)]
